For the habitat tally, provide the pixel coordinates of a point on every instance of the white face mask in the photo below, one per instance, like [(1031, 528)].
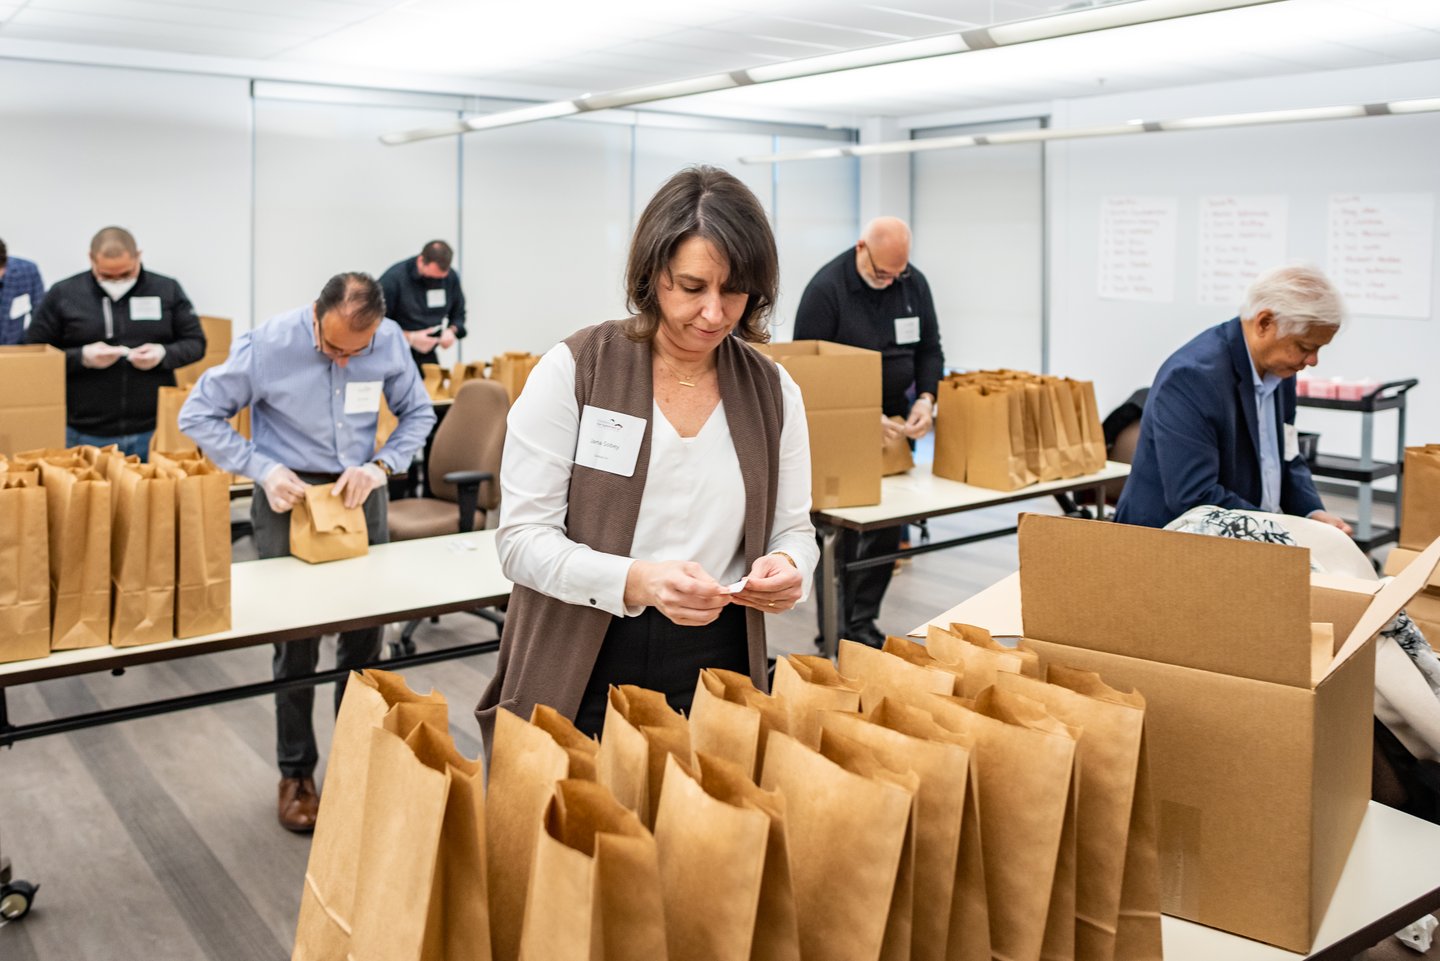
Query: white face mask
[(115, 289)]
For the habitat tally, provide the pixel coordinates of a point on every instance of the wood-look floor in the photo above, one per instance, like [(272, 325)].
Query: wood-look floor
[(156, 840)]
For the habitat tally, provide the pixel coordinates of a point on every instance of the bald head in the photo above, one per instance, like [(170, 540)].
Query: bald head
[(113, 242), (883, 252)]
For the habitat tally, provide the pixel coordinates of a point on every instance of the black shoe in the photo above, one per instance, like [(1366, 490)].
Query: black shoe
[(867, 634)]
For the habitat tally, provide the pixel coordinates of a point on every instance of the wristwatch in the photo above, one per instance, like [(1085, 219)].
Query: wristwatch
[(384, 467)]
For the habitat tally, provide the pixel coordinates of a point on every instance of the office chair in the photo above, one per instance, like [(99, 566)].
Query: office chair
[(464, 471)]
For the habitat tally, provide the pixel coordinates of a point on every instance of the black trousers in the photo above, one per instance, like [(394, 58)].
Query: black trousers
[(294, 708), (653, 652), (864, 589)]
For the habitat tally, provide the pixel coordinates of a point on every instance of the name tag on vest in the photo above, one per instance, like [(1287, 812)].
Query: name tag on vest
[(609, 441)]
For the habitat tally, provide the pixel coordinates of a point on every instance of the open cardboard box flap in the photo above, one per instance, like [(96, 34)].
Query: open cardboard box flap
[(1232, 607), (1400, 559)]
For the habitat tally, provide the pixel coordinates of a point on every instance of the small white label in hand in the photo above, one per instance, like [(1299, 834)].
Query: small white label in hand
[(738, 586)]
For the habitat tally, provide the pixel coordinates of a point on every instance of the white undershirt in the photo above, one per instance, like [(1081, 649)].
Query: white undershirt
[(692, 508)]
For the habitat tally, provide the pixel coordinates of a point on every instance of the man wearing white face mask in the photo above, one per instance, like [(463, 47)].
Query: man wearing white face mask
[(124, 330)]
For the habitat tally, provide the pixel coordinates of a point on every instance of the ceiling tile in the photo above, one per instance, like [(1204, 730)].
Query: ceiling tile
[(100, 14)]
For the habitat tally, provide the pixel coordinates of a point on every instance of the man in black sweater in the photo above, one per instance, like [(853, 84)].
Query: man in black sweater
[(124, 330), (423, 296), (871, 296)]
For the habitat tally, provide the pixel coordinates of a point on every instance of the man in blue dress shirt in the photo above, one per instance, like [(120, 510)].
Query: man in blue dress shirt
[(313, 378), (1219, 424)]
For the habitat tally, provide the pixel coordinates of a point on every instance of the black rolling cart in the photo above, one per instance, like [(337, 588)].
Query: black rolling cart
[(1364, 470)]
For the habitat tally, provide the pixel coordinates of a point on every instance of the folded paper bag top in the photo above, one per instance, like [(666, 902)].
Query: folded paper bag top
[(323, 529)]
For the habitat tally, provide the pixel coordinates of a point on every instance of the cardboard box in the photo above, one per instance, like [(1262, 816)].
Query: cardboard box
[(1259, 727), (1424, 608), (218, 332), (32, 398), (841, 388)]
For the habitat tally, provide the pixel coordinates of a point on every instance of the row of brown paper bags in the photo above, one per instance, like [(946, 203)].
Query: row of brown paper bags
[(97, 548), (1006, 429), (511, 369), (861, 814)]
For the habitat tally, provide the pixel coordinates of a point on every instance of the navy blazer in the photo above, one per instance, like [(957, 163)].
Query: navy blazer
[(1199, 441)]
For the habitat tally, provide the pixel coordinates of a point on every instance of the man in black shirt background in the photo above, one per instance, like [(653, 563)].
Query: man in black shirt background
[(423, 296), (871, 296), (124, 330)]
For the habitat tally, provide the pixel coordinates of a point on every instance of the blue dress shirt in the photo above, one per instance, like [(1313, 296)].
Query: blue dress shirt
[(1269, 444), (22, 278), (307, 412)]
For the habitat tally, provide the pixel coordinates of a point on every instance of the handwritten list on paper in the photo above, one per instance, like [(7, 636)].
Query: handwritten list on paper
[(1137, 248), (1240, 238), (1382, 252)]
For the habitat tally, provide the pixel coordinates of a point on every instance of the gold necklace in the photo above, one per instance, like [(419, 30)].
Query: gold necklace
[(681, 377)]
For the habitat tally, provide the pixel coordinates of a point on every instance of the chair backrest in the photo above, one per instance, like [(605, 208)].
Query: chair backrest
[(471, 437)]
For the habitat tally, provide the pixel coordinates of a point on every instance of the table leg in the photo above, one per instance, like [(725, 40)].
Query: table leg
[(1099, 502), (832, 590)]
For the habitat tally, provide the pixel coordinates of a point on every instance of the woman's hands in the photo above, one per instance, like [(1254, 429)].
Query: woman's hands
[(687, 595), (772, 586), (681, 590)]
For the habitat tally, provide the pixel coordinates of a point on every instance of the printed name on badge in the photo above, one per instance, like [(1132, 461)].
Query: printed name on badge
[(609, 441), (435, 298), (363, 396), (144, 308), (907, 330)]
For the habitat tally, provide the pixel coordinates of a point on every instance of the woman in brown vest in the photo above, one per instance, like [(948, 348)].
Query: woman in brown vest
[(656, 479)]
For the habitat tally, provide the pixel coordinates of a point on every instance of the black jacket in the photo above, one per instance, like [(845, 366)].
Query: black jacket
[(118, 400), (407, 303), (840, 307)]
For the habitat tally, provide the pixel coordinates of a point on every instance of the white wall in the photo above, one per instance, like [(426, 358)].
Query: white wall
[(817, 215), (1121, 344), (164, 156)]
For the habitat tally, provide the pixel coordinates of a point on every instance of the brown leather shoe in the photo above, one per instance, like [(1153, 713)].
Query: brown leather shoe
[(299, 804)]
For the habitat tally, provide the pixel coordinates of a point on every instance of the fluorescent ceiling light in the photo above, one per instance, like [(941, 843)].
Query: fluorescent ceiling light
[(1299, 115), (1087, 20)]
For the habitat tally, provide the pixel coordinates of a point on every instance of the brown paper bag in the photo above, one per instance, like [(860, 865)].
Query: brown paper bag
[(1106, 759), (1420, 504), (995, 436), (943, 771), (24, 567), (969, 926), (1067, 427), (640, 729), (460, 373), (883, 675), (1092, 433), (437, 381), (512, 369), (777, 934), (1037, 407), (913, 652), (77, 502), (167, 436), (1025, 774), (712, 863), (526, 760), (981, 638), (808, 684), (142, 554), (949, 431), (323, 529), (202, 542), (722, 724), (895, 455), (847, 835), (327, 904), (1138, 929), (421, 880), (595, 890), (978, 664)]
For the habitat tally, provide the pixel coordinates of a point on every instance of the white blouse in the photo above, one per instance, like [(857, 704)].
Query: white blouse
[(692, 509)]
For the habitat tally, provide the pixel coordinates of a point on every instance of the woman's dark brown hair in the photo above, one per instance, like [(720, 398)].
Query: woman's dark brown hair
[(710, 203)]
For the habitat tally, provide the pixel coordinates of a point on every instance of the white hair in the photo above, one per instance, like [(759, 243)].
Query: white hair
[(1299, 297)]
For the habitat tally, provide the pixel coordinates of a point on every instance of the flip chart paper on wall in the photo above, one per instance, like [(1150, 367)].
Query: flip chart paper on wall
[(1382, 252), (1137, 248), (1241, 237)]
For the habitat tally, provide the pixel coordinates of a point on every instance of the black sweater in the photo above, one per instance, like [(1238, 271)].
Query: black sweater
[(119, 399)]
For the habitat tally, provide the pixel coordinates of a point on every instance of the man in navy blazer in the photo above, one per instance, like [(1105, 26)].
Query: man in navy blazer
[(1219, 424)]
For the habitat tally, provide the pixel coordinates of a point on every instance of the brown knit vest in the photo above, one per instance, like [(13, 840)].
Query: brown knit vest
[(548, 648)]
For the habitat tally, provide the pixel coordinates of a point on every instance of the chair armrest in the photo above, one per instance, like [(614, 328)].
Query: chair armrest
[(467, 493)]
